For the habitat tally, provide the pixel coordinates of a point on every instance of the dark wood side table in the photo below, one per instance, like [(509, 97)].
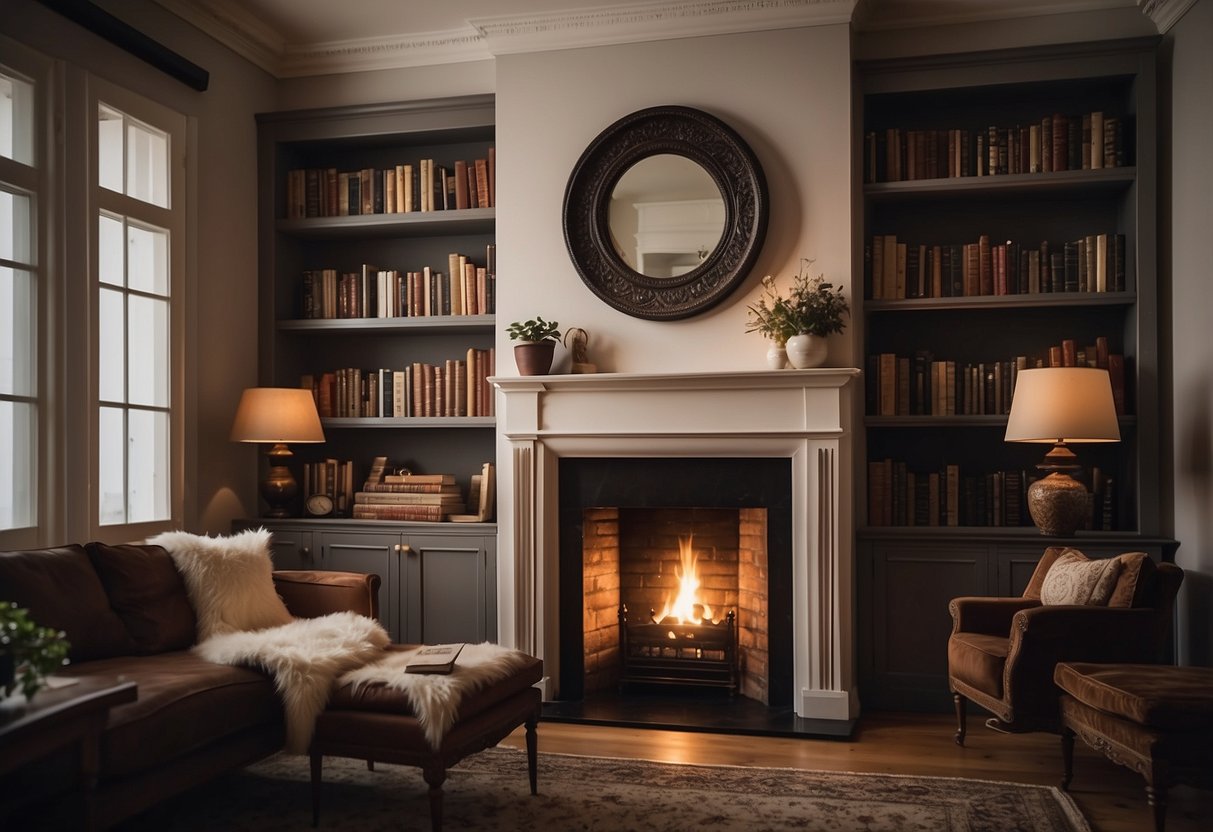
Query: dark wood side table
[(59, 718)]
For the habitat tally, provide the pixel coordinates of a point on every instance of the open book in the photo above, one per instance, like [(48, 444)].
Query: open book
[(434, 658)]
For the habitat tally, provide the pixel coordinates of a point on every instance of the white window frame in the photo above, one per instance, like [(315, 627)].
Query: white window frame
[(86, 95), (34, 181)]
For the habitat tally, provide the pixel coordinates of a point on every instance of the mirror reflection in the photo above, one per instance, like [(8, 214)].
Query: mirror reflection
[(666, 216)]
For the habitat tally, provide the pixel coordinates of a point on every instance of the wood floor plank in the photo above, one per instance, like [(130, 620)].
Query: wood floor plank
[(1112, 797)]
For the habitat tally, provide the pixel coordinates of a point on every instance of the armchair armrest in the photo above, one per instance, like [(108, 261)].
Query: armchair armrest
[(310, 593), (991, 616), (1085, 633)]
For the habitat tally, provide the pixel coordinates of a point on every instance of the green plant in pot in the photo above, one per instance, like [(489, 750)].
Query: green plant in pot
[(813, 309), (536, 345), (28, 653)]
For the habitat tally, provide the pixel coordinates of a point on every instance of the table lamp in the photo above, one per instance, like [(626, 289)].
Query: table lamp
[(1061, 406), (277, 415)]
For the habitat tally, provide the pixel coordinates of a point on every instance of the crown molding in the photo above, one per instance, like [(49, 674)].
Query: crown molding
[(1165, 13), (229, 22)]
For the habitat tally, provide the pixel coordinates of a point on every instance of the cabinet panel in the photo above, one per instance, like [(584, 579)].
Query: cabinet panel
[(374, 553), (446, 589)]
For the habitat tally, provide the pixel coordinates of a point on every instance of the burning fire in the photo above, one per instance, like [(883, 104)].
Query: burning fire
[(686, 608)]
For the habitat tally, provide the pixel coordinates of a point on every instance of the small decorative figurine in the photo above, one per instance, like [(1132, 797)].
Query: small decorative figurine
[(576, 340)]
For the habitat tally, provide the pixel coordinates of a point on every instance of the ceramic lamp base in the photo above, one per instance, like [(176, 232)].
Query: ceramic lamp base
[(1059, 505)]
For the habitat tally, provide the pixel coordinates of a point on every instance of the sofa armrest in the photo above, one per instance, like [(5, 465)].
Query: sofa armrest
[(1087, 633), (310, 593), (991, 616)]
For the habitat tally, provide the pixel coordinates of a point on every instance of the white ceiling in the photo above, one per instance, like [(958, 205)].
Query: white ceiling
[(308, 37)]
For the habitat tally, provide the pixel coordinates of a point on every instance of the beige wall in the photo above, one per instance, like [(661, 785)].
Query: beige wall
[(1187, 223), (787, 93)]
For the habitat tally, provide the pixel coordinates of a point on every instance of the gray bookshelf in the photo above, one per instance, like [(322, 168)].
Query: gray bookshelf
[(907, 574)]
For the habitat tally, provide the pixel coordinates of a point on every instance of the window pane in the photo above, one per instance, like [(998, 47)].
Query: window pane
[(16, 332), (147, 260), (149, 449), (148, 351), (111, 488), (16, 119), (109, 149), (147, 164), (17, 442), (110, 267), (14, 227), (111, 337)]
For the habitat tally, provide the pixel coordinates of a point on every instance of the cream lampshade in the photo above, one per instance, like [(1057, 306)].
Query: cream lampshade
[(276, 416), (1059, 406)]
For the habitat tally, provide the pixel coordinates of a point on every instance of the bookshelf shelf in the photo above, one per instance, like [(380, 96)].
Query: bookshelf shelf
[(381, 423), (423, 325), (416, 224), (957, 469)]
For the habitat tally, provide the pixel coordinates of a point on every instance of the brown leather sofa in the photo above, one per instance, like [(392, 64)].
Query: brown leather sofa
[(126, 613)]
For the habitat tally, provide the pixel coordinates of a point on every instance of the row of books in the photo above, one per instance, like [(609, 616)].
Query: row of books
[(922, 385), (425, 497), (333, 477), (400, 189), (898, 496), (895, 270), (464, 289), (1058, 142), (457, 387)]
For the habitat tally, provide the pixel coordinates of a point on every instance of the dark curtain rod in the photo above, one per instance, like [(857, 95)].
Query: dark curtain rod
[(125, 36)]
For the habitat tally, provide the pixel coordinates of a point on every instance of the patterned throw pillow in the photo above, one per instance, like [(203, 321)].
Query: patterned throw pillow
[(1076, 579)]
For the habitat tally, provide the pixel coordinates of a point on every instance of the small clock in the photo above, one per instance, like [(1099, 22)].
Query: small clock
[(319, 505)]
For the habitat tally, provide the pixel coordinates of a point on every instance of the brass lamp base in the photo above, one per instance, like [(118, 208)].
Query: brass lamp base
[(1059, 504), (279, 487)]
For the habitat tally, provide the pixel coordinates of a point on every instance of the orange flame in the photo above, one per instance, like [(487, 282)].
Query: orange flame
[(686, 607)]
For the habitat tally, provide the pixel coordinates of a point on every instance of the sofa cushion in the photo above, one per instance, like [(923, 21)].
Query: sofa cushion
[(229, 580), (1042, 568), (1135, 586), (185, 703), (978, 660), (148, 594), (1076, 579), (61, 590), (1161, 696)]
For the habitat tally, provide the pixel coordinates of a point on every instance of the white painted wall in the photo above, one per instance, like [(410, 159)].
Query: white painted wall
[(787, 93), (415, 83), (1187, 223)]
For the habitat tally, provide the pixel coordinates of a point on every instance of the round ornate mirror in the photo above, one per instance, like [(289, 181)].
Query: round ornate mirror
[(665, 213)]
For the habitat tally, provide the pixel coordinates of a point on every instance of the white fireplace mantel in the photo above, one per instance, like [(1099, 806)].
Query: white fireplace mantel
[(800, 415)]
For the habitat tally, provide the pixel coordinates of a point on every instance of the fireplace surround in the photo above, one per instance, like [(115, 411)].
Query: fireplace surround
[(802, 417)]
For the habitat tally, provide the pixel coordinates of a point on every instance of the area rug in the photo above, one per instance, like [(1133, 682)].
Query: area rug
[(489, 791)]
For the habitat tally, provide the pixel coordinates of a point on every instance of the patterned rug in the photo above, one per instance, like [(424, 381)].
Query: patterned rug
[(489, 791)]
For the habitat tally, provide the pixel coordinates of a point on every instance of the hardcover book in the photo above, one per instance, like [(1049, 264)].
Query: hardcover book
[(434, 658)]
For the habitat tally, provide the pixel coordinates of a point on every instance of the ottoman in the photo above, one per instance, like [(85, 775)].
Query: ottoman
[(375, 723), (1155, 719)]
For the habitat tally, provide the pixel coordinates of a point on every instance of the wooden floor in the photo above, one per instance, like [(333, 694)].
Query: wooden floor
[(1112, 797)]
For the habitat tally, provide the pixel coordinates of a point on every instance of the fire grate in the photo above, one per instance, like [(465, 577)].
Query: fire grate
[(700, 655)]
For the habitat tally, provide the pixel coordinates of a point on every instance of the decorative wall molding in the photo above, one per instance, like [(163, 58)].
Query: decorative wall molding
[(232, 24), (1165, 13)]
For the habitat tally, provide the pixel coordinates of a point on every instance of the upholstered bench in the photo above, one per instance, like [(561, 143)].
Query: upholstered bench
[(375, 723), (1155, 719)]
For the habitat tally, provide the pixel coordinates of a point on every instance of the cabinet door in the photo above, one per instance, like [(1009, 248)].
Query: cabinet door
[(375, 553), (292, 549), (446, 592), (904, 622)]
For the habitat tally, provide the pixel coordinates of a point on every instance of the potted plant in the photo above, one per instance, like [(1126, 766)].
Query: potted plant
[(800, 322), (28, 653), (536, 345)]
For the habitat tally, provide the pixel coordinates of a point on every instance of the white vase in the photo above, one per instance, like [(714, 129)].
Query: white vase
[(806, 351), (777, 356)]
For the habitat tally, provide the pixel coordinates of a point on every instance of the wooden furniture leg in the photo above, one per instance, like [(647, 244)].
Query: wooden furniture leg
[(532, 753), (435, 776), (1067, 757), (960, 718)]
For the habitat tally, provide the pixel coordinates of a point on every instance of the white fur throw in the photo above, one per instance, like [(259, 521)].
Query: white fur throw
[(304, 657), (229, 580), (433, 697)]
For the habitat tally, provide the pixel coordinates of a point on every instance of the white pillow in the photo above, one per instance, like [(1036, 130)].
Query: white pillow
[(1075, 579), (229, 580)]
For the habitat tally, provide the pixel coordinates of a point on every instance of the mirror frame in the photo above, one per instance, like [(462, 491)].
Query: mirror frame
[(732, 165)]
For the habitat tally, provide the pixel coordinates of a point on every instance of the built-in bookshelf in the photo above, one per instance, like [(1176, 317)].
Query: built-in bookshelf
[(1008, 222), (379, 279)]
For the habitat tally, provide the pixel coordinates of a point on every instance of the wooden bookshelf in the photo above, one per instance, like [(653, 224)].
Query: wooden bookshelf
[(902, 650)]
